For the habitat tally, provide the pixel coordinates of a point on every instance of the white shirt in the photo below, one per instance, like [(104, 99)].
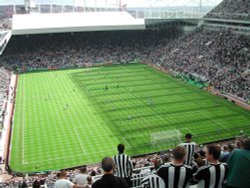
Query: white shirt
[(81, 179), (63, 183)]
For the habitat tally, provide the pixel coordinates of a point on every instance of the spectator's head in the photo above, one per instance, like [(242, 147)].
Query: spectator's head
[(188, 137), (157, 163), (134, 164), (239, 144), (165, 159), (121, 148), (89, 180), (93, 173), (83, 169), (36, 184), (99, 171), (246, 144), (108, 165), (202, 153), (213, 152), (230, 147), (62, 174), (200, 162), (225, 148), (196, 155), (42, 181), (179, 153)]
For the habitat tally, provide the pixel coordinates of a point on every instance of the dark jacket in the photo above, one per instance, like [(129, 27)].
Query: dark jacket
[(110, 181)]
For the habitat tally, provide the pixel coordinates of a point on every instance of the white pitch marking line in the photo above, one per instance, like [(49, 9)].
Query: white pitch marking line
[(221, 125), (23, 122), (217, 98), (58, 158), (128, 145), (79, 140)]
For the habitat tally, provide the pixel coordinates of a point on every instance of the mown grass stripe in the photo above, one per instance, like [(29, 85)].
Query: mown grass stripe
[(101, 117)]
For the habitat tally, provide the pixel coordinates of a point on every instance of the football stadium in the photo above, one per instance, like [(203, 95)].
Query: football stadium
[(161, 87)]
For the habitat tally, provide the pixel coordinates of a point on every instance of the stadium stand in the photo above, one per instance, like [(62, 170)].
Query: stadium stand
[(232, 10), (218, 57), (4, 82), (221, 57), (65, 50), (147, 166), (6, 13)]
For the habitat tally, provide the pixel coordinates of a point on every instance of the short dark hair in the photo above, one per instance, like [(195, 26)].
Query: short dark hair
[(188, 136), (93, 173), (230, 147), (89, 179), (215, 150), (202, 153), (246, 144), (196, 155), (83, 169), (121, 148), (157, 163), (107, 164), (61, 174), (179, 153)]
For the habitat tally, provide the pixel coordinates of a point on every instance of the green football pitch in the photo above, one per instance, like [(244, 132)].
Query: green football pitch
[(70, 117)]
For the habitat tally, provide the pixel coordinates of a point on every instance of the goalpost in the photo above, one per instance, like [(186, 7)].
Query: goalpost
[(172, 137)]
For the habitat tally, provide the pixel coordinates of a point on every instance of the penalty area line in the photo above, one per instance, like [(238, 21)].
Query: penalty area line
[(67, 157), (128, 145), (217, 122), (79, 140)]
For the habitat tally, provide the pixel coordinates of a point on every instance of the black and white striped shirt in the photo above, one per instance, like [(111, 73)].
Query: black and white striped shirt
[(152, 181), (190, 149), (124, 167), (175, 176), (136, 179), (211, 176)]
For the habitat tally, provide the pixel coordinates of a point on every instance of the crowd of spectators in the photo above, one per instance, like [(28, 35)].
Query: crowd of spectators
[(4, 82), (231, 10), (143, 166), (219, 56), (78, 49), (6, 13), (222, 57)]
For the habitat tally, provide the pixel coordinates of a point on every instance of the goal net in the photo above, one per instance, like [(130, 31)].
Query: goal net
[(171, 137)]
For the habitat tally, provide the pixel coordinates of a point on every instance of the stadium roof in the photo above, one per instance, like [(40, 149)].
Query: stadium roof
[(74, 22), (129, 3)]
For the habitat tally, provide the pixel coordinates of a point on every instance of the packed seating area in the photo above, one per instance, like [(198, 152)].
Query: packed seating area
[(143, 166), (231, 10), (78, 49), (221, 57), (4, 82), (6, 13)]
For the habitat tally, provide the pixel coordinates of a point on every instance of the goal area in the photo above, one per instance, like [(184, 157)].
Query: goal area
[(171, 137)]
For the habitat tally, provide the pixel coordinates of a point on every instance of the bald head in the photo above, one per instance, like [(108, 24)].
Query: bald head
[(108, 164)]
